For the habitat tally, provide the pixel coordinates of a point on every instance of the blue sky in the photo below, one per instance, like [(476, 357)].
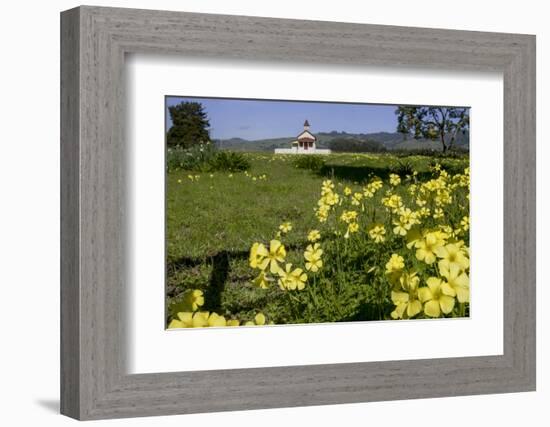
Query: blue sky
[(260, 119)]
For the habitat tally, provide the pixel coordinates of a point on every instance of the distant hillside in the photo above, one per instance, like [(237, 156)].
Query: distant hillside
[(391, 141)]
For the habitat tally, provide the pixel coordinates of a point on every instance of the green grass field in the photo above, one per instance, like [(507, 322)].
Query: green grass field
[(213, 218)]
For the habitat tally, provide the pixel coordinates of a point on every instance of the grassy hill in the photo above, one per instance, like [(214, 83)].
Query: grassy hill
[(390, 140)]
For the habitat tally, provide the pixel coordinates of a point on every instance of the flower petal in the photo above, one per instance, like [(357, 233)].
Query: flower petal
[(447, 303), (431, 308), (414, 307)]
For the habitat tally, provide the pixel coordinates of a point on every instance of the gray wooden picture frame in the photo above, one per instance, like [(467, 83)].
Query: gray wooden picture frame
[(94, 41)]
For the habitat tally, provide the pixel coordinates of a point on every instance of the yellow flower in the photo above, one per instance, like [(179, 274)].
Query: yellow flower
[(438, 213), (393, 201), (394, 179), (331, 199), (184, 320), (435, 299), (401, 228), (458, 281), (313, 257), (427, 247), (277, 253), (327, 186), (191, 300), (395, 264), (262, 281), (377, 232), (373, 187), (405, 298), (285, 227), (292, 279), (314, 235), (200, 319), (259, 319), (347, 191), (258, 253), (216, 320), (451, 254), (353, 227), (356, 199), (233, 322), (260, 257), (465, 223), (413, 237), (348, 216)]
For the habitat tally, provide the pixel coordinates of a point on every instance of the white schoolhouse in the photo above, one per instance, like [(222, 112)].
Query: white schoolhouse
[(305, 143)]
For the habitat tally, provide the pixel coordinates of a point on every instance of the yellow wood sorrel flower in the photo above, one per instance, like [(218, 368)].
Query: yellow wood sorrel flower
[(393, 202), (348, 216), (313, 255), (427, 247), (292, 279), (191, 300), (377, 232), (356, 199), (262, 281), (259, 319), (258, 252), (394, 267), (347, 191), (200, 319), (395, 264), (394, 179), (285, 227), (435, 298), (184, 320), (314, 235), (405, 297), (261, 258), (458, 282), (277, 253), (451, 254), (215, 320)]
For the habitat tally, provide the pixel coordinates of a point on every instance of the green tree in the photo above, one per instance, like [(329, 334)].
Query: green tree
[(189, 125), (435, 123), (353, 145)]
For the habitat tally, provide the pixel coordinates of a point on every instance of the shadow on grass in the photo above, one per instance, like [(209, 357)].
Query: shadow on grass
[(218, 278), (219, 275), (362, 173)]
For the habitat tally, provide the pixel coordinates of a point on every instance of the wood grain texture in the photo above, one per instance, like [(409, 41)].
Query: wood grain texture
[(70, 297), (94, 382)]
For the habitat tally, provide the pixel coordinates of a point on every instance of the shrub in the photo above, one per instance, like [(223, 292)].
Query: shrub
[(195, 158), (454, 153), (310, 162), (449, 165), (352, 145), (205, 158), (229, 161), (403, 168)]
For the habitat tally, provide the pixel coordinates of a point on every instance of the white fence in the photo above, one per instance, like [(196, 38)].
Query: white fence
[(297, 150)]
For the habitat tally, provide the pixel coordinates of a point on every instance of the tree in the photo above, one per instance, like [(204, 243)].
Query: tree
[(189, 125), (353, 145), (435, 123)]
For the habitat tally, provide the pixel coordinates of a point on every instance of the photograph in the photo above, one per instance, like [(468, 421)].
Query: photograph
[(296, 212)]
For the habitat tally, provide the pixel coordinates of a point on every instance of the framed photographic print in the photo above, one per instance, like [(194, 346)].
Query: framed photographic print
[(305, 212)]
